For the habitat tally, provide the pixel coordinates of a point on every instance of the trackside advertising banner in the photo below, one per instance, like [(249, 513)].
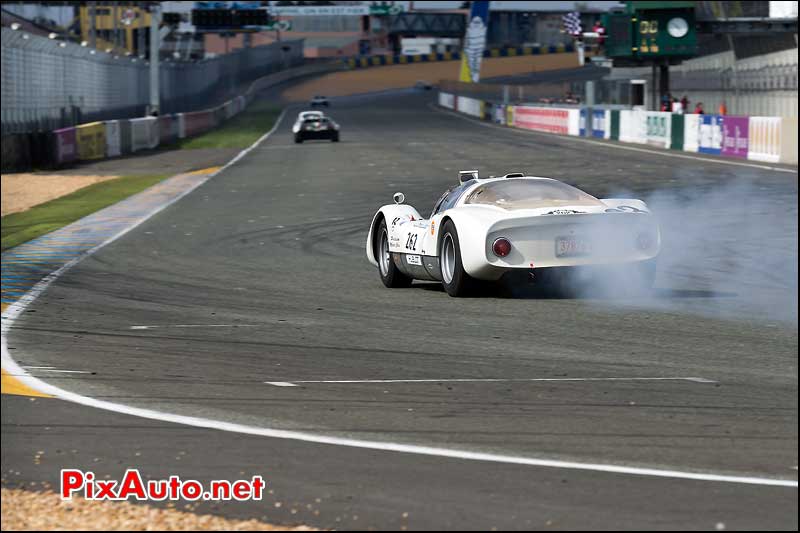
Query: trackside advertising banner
[(771, 139), (735, 134), (549, 119), (710, 134), (474, 42)]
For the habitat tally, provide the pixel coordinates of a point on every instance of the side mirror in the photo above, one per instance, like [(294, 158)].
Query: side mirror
[(399, 198)]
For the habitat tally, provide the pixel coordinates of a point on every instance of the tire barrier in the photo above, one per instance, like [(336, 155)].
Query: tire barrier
[(769, 139)]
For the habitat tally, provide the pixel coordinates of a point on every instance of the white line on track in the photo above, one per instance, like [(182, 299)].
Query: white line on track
[(197, 326), (610, 145), (482, 380), (63, 371), (9, 365)]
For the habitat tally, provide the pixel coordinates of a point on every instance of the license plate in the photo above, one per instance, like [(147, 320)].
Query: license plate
[(572, 246)]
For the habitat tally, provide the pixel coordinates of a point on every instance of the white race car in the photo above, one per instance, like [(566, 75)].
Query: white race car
[(315, 125), (539, 228), (319, 100)]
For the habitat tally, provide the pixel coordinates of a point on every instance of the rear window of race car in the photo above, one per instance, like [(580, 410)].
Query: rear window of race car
[(529, 194)]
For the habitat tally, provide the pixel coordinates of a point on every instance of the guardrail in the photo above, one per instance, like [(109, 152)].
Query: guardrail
[(112, 138), (769, 139)]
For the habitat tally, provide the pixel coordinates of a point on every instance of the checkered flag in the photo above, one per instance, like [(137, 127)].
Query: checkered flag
[(572, 23)]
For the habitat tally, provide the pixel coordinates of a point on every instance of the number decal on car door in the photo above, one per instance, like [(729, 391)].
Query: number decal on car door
[(411, 242)]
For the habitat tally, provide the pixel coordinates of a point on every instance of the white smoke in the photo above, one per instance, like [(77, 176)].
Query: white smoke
[(727, 251)]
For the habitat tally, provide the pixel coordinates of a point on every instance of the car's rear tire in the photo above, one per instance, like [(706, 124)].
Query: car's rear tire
[(454, 278), (298, 139), (335, 138), (390, 274)]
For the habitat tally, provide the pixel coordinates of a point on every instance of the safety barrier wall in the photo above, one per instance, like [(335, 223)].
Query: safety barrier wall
[(573, 121), (144, 133), (735, 136), (658, 128), (633, 126), (770, 139), (691, 133), (91, 139), (710, 134), (548, 119), (447, 100), (469, 106), (66, 147), (168, 129), (789, 141), (765, 139), (112, 138)]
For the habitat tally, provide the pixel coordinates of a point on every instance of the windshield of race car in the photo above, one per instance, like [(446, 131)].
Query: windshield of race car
[(530, 194)]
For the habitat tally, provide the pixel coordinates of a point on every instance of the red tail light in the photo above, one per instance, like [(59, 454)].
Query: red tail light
[(501, 247)]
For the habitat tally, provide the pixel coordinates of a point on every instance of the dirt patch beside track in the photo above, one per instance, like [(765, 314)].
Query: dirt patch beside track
[(23, 191), (45, 511)]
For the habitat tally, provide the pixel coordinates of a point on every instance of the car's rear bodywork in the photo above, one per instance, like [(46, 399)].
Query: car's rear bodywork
[(587, 232), (315, 125)]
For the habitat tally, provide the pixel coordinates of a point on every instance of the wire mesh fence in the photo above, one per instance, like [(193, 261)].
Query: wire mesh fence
[(48, 84)]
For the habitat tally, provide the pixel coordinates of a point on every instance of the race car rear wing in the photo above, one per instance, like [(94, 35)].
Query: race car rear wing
[(466, 175)]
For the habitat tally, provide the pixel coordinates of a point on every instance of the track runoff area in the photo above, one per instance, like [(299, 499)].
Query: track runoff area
[(240, 332)]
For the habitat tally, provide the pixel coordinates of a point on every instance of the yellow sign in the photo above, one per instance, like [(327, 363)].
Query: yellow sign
[(91, 140)]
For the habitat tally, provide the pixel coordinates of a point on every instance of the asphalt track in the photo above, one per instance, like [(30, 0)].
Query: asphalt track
[(270, 253)]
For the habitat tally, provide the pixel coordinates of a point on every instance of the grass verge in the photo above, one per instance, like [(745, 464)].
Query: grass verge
[(18, 228), (239, 132)]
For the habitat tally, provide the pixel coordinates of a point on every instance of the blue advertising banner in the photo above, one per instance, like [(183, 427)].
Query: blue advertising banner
[(598, 123), (710, 134), (474, 42), (582, 123)]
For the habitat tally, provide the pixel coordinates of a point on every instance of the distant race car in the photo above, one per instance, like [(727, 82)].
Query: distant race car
[(315, 125), (539, 229), (423, 85), (320, 101)]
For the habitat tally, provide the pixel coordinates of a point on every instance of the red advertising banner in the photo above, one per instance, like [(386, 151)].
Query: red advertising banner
[(66, 145), (198, 122), (547, 119)]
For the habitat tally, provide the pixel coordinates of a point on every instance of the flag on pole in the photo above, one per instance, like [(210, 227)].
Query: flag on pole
[(474, 42), (572, 23)]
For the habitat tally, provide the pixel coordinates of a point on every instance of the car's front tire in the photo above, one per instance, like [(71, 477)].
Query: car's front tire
[(335, 137), (298, 139), (390, 274), (454, 278)]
